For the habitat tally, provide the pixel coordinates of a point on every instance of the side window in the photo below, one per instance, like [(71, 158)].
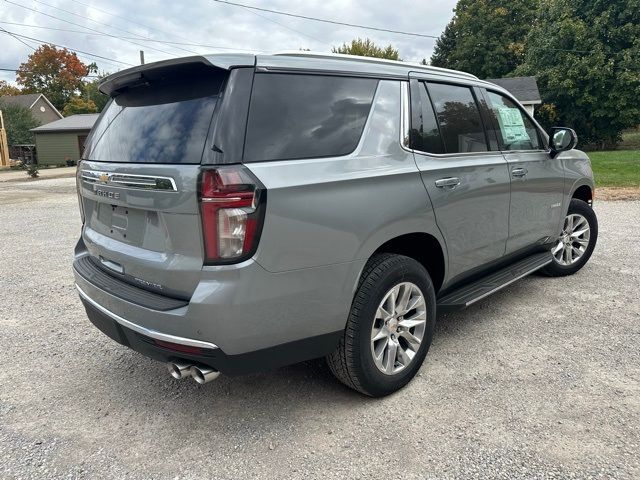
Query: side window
[(306, 116), (459, 118), (515, 130), (424, 133)]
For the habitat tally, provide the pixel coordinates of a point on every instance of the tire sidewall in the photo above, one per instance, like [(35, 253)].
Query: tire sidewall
[(372, 379)]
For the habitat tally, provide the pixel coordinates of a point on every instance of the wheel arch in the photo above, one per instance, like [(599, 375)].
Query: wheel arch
[(583, 192), (422, 247)]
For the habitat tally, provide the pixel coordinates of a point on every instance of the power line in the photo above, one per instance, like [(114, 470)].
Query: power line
[(141, 25), (217, 47), (93, 55), (84, 17), (83, 26), (15, 37), (285, 26), (399, 32), (2, 69)]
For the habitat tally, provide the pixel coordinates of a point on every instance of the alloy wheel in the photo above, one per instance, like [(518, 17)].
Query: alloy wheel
[(573, 241), (398, 328)]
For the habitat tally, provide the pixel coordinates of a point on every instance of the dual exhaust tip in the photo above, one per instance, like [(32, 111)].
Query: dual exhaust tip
[(199, 373)]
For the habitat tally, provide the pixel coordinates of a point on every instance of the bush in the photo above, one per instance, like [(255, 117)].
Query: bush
[(31, 169)]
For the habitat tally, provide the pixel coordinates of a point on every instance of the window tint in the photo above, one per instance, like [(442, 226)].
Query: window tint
[(304, 116), (159, 122), (515, 130), (459, 118), (424, 133)]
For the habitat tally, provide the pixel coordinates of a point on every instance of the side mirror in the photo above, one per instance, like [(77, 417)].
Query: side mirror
[(561, 140)]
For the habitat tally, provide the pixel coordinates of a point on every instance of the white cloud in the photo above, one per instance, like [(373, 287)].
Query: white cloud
[(215, 24)]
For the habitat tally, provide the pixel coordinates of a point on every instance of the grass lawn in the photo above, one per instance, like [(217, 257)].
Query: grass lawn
[(619, 168)]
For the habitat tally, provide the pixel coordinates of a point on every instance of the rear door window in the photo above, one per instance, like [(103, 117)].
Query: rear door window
[(424, 134), (156, 123), (459, 118), (305, 116), (515, 130)]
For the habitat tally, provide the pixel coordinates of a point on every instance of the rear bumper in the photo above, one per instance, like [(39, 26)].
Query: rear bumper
[(133, 336), (240, 318)]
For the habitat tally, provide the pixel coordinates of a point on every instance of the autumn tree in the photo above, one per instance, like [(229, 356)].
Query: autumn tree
[(7, 89), (79, 105), (18, 122), (366, 48), (90, 92), (585, 55), (57, 73), (486, 38)]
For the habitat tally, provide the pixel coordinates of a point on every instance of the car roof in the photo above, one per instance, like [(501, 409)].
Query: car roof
[(292, 61)]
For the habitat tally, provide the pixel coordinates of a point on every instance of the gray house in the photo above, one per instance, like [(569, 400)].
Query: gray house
[(525, 89), (41, 108), (62, 141)]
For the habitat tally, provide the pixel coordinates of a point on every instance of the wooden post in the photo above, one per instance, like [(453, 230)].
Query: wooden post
[(4, 145), (141, 57)]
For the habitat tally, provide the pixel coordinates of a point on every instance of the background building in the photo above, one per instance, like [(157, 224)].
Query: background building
[(62, 141)]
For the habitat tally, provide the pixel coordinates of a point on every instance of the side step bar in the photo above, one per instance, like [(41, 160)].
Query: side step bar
[(475, 291)]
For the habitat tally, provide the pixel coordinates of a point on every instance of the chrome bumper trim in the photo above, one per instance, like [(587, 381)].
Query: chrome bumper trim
[(143, 330)]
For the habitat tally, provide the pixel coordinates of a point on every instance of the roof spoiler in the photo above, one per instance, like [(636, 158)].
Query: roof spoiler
[(114, 84)]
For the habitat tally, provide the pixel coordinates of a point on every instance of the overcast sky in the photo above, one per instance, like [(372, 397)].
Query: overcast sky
[(212, 24)]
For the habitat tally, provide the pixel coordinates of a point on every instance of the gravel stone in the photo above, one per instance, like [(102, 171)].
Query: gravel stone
[(539, 381)]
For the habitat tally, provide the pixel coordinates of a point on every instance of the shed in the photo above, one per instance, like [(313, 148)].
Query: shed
[(525, 89), (62, 141)]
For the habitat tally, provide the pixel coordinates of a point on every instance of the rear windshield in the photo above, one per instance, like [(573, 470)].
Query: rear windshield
[(306, 116), (155, 124)]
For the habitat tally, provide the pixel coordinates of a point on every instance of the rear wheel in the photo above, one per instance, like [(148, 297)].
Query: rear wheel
[(389, 329), (575, 245)]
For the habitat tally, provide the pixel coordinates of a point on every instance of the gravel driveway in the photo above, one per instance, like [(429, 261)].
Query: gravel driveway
[(541, 380)]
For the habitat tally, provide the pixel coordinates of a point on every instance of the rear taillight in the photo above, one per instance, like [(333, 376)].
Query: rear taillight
[(232, 205), (79, 191)]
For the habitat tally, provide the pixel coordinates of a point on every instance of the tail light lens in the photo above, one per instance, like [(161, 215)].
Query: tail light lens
[(232, 204)]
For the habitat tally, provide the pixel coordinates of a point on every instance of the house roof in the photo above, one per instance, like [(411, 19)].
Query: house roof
[(82, 121), (27, 100), (525, 89)]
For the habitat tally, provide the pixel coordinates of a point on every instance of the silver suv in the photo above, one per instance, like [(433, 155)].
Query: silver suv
[(245, 212)]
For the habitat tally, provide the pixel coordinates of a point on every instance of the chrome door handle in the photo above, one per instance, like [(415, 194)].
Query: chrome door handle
[(519, 172), (451, 182)]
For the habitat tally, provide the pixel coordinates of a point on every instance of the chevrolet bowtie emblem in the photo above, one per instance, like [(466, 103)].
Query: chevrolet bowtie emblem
[(103, 177)]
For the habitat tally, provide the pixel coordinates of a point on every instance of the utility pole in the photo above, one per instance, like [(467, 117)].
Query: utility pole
[(141, 57)]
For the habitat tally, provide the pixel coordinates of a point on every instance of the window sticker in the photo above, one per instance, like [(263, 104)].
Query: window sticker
[(512, 126)]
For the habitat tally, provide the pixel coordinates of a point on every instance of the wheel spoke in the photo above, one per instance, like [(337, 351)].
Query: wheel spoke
[(411, 339), (557, 248), (382, 313), (412, 322), (403, 301), (405, 356), (378, 335), (379, 351), (390, 357)]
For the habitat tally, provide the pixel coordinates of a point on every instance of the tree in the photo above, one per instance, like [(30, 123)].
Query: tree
[(79, 105), (18, 121), (57, 73), (585, 55), (366, 48), (485, 37), (7, 89), (90, 92)]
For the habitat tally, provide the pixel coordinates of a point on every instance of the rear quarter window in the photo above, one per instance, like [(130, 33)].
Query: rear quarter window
[(306, 116)]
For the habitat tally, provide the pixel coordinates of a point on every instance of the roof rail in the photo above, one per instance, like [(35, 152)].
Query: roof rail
[(357, 58)]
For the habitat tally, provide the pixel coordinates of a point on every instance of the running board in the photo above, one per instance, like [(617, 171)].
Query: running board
[(472, 292)]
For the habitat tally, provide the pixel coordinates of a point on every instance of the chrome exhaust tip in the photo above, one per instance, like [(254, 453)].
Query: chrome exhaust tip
[(179, 370), (204, 375)]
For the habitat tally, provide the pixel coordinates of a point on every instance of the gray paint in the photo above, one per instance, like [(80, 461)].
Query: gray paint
[(324, 219)]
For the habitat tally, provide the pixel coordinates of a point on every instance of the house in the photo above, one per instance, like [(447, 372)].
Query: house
[(525, 89), (41, 108), (62, 142)]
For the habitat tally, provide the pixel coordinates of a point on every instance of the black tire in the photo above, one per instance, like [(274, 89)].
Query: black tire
[(352, 362), (555, 269)]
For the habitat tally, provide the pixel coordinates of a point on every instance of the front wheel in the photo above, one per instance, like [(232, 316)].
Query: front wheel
[(575, 245), (389, 329)]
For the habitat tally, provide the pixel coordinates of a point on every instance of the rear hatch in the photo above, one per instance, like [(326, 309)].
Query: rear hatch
[(138, 179)]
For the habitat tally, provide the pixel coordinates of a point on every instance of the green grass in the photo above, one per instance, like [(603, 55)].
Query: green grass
[(619, 168)]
